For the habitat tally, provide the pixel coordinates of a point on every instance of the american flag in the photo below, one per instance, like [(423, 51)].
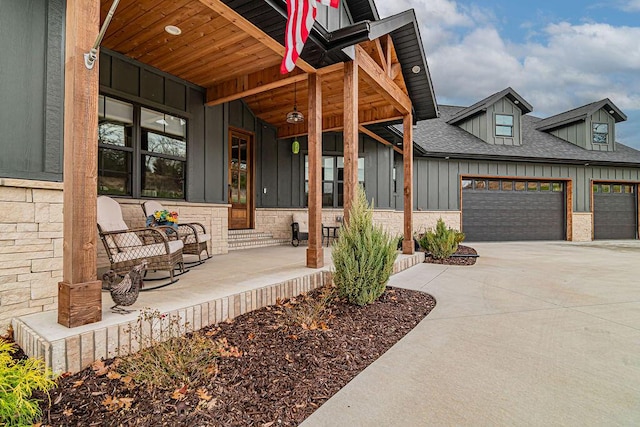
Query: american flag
[(301, 16)]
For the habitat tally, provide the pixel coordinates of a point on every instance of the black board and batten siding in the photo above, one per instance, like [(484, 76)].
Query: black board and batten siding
[(280, 173), (32, 89), (208, 127)]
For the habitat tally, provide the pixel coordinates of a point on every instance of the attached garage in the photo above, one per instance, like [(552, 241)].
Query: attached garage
[(615, 211), (513, 209)]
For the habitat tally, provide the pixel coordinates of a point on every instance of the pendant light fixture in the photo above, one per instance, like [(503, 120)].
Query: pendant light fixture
[(295, 116)]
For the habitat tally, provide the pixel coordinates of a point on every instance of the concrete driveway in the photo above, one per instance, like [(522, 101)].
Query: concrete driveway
[(534, 334)]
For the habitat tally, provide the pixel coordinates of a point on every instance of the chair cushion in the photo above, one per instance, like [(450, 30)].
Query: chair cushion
[(109, 217), (191, 238), (301, 218), (147, 251), (151, 206)]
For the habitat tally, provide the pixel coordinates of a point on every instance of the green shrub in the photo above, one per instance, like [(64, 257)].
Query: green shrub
[(443, 242), (18, 380), (363, 256)]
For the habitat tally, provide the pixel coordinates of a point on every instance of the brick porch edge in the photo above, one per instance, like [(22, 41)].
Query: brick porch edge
[(76, 352)]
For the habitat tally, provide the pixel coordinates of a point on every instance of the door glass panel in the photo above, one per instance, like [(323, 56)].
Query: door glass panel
[(532, 186), (606, 188), (557, 186), (243, 156), (545, 186), (242, 187), (235, 153), (494, 185), (617, 188), (234, 187), (520, 186), (507, 185)]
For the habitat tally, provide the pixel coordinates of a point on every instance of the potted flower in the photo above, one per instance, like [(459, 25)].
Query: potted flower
[(163, 218)]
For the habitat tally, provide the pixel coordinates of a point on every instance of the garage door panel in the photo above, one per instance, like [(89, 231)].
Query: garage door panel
[(511, 215), (614, 215)]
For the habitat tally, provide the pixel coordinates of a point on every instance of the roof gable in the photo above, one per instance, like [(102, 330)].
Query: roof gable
[(581, 113), (482, 105)]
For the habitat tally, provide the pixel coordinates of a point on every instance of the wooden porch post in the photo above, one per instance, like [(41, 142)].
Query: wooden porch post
[(315, 253), (407, 143), (350, 134), (79, 293)]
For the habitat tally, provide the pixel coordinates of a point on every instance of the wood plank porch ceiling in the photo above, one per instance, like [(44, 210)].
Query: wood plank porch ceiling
[(233, 59)]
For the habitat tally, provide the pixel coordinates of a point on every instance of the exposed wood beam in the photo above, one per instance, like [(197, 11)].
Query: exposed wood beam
[(350, 134), (79, 293), (330, 69), (376, 77), (251, 84), (330, 124), (239, 21), (315, 252), (407, 161), (395, 69), (378, 138), (389, 46), (382, 59)]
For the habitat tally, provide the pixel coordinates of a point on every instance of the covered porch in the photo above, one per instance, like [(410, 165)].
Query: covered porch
[(221, 289), (348, 81)]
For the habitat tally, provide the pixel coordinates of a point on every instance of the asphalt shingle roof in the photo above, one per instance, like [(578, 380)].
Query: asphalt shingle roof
[(437, 137), (580, 113)]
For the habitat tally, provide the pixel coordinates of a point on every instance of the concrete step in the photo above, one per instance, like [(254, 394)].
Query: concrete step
[(245, 239)]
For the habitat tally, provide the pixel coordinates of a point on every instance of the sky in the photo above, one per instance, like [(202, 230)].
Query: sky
[(557, 55)]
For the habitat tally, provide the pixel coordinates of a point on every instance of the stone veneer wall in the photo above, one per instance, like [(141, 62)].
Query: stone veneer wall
[(582, 226), (30, 247), (214, 217), (278, 221)]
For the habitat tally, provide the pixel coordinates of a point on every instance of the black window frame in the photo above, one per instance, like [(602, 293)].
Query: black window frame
[(137, 154), (336, 183)]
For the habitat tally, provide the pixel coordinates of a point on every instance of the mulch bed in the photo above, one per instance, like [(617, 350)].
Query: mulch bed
[(284, 374), (460, 259)]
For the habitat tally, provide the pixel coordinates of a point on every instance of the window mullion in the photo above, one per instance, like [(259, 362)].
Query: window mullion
[(136, 168)]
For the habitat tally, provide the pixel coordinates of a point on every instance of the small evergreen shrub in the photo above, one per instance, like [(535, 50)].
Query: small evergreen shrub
[(363, 256), (18, 381), (443, 242)]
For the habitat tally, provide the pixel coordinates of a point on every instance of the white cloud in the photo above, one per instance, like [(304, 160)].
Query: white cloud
[(565, 67), (630, 5)]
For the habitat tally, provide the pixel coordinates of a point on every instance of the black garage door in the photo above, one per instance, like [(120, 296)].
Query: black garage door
[(614, 211), (501, 210)]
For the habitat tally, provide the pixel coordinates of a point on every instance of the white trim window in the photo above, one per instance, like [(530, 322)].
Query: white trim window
[(600, 133), (504, 125)]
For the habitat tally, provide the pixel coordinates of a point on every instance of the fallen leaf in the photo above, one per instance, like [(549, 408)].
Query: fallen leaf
[(268, 424), (77, 383), (251, 336), (99, 368), (289, 358), (110, 403), (324, 326), (204, 394), (179, 393), (68, 412), (293, 337), (126, 380), (212, 370), (212, 404), (125, 402), (113, 375)]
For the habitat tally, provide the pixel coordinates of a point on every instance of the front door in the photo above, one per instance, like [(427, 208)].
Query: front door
[(240, 180)]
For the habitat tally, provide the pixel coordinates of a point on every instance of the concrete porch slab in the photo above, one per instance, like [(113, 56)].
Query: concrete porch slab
[(224, 287)]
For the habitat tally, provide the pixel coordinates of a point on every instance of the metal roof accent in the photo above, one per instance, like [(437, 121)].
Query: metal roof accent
[(482, 105), (581, 113)]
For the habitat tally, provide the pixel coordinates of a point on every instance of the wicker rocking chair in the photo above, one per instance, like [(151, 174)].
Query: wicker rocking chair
[(193, 234), (127, 247)]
